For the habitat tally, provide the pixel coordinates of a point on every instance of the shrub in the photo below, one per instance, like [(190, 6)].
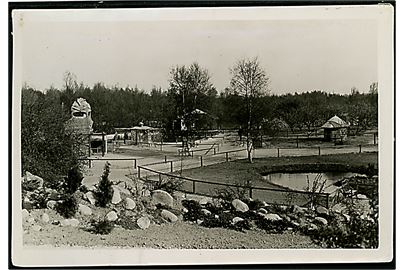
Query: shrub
[(68, 206), (104, 191), (128, 222), (194, 210), (73, 181), (171, 184), (37, 198), (101, 226), (269, 226)]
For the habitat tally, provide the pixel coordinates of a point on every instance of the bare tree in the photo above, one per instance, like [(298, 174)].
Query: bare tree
[(250, 81)]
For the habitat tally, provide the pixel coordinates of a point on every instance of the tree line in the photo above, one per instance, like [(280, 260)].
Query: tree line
[(190, 103)]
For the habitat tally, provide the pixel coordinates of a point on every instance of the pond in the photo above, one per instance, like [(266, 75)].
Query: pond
[(299, 181)]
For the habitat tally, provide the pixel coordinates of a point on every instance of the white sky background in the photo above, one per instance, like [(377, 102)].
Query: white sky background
[(298, 55)]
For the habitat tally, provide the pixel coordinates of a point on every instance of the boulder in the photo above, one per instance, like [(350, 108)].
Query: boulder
[(85, 210), (25, 213), (162, 197), (205, 200), (298, 210), (116, 196), (216, 216), (272, 217), (339, 208), (184, 210), (90, 197), (45, 218), (74, 222), (199, 221), (262, 210), (112, 216), (322, 210), (55, 222), (145, 193), (129, 204), (51, 204), (36, 228), (143, 222), (206, 212), (361, 197), (240, 206), (312, 227), (236, 220), (321, 220), (32, 182), (169, 216)]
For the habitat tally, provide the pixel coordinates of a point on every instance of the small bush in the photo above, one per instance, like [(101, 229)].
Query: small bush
[(269, 226), (73, 181), (67, 207), (171, 184), (128, 222), (101, 226), (194, 210), (104, 191)]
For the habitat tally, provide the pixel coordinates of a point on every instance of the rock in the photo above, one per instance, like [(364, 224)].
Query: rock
[(338, 208), (123, 190), (90, 197), (55, 222), (312, 227), (216, 216), (262, 210), (236, 219), (116, 196), (184, 210), (112, 216), (31, 220), (199, 221), (361, 197), (321, 220), (51, 204), (45, 218), (347, 217), (283, 207), (240, 206), (65, 222), (162, 197), (206, 212), (143, 222), (129, 204), (36, 228), (204, 201), (32, 182), (74, 222), (27, 203), (52, 194), (296, 224), (25, 213), (264, 204), (322, 210), (85, 210), (272, 217), (169, 216), (298, 210), (145, 193)]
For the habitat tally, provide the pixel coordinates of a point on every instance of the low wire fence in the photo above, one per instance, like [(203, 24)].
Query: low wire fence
[(154, 178)]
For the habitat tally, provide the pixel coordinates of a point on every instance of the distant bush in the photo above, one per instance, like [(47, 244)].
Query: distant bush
[(68, 206), (101, 226), (194, 210), (104, 191)]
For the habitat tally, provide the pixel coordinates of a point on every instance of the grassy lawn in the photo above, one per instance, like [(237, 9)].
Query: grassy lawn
[(238, 172)]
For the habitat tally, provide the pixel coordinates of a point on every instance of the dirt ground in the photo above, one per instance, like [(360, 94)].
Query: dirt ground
[(165, 236)]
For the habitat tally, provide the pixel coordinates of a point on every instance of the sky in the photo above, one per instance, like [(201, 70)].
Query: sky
[(298, 55)]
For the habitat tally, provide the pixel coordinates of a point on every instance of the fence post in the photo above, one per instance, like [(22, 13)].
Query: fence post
[(89, 163), (201, 160), (251, 193), (297, 141), (375, 137), (214, 152), (139, 172), (165, 159), (278, 152), (359, 148), (134, 163), (226, 154), (319, 150), (171, 165), (193, 187)]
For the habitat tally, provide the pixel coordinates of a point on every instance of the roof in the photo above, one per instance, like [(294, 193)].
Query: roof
[(335, 122), (143, 128)]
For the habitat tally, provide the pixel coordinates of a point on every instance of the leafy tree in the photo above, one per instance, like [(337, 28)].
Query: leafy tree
[(250, 81)]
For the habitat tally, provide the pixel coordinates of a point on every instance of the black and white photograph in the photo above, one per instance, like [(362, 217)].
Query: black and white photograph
[(202, 135)]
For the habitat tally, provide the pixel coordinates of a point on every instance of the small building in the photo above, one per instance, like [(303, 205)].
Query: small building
[(140, 134), (335, 129)]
